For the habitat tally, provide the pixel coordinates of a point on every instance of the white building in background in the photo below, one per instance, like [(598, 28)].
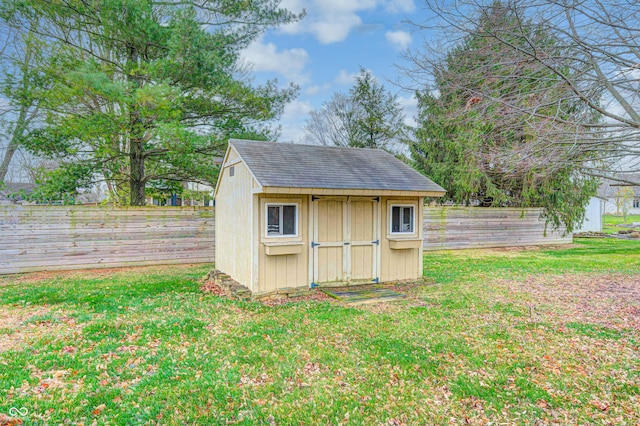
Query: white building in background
[(611, 192), (611, 204), (197, 194), (593, 216)]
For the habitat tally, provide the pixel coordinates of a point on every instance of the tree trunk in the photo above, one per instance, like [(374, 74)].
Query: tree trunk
[(8, 155), (136, 179), (17, 134)]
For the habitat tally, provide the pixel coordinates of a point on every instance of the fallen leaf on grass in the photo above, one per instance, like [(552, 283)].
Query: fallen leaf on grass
[(9, 421), (255, 381), (311, 368), (600, 405), (212, 288), (541, 403)]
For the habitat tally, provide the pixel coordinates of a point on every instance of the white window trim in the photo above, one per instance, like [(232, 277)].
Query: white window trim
[(266, 220), (391, 232)]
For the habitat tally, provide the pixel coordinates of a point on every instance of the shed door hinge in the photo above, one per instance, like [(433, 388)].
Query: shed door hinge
[(376, 199), (376, 280), (347, 243), (313, 198), (376, 242), (314, 285), (314, 244)]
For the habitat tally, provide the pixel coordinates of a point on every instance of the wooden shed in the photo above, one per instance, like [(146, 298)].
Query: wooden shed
[(290, 216)]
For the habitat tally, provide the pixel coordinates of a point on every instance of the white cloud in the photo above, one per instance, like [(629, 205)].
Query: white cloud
[(331, 21), (400, 6), (296, 109), (344, 78), (400, 39), (293, 117), (288, 62), (410, 106), (317, 88), (291, 133)]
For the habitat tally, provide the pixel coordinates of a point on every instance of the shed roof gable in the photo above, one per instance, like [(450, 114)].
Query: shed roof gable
[(311, 166)]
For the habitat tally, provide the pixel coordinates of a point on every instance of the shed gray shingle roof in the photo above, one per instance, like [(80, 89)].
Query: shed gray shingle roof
[(312, 166)]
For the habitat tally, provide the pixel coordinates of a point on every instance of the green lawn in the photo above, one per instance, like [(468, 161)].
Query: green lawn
[(611, 222), (503, 336)]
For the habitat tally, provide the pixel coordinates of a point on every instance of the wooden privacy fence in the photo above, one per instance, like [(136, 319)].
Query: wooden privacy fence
[(36, 238), (476, 227)]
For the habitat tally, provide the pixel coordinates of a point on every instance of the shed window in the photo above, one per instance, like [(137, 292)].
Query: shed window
[(402, 219), (636, 203), (282, 220)]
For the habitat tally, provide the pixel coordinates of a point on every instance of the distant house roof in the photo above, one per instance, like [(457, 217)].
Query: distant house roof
[(10, 191), (609, 188), (313, 166)]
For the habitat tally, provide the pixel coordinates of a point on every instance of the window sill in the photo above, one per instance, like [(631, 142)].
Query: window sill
[(403, 237), (281, 240), (282, 248), (404, 243)]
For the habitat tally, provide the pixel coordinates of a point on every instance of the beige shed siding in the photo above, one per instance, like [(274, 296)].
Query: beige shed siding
[(233, 220), (283, 270), (400, 264)]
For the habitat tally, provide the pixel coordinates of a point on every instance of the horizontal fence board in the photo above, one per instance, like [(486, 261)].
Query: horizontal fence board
[(154, 262), (37, 238), (44, 245), (93, 261), (104, 230), (448, 228)]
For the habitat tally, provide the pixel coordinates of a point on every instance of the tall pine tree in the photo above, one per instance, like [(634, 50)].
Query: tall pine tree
[(147, 91), (476, 142)]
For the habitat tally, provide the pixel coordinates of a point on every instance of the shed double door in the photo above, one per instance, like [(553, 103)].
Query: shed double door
[(345, 240)]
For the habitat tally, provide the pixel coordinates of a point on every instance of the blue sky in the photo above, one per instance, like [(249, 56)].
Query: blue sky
[(323, 53)]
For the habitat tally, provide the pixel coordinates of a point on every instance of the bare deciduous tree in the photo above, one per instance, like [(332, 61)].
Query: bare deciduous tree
[(593, 63), (368, 117), (334, 123), (19, 106)]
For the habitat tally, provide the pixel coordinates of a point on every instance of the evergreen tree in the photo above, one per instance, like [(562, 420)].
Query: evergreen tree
[(146, 91), (474, 140), (379, 117)]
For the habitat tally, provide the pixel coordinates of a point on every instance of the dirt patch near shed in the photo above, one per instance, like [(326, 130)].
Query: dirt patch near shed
[(609, 300), (316, 296), (19, 326)]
